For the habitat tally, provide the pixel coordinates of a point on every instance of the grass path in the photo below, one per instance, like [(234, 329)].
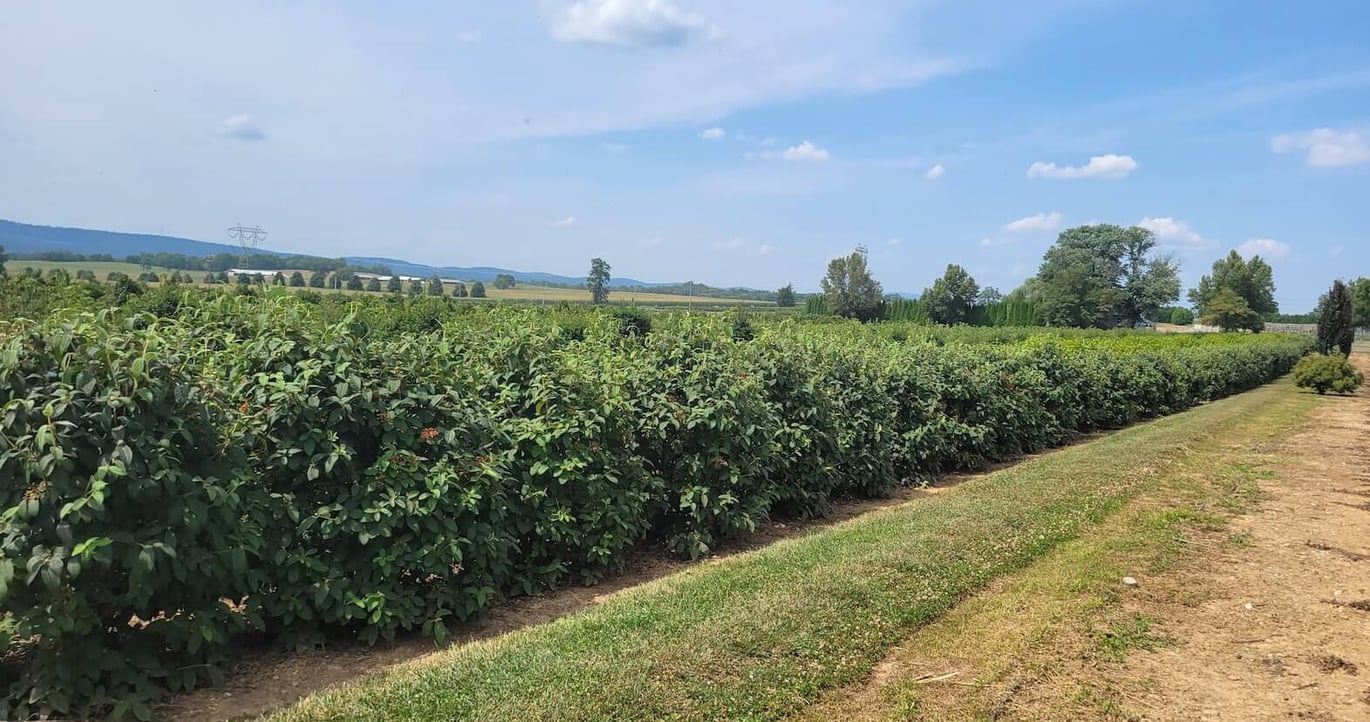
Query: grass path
[(770, 633), (1064, 627)]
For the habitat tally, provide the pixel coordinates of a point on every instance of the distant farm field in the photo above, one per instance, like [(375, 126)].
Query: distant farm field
[(518, 293)]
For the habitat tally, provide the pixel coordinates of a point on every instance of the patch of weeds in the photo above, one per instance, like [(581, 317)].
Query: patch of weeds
[(1329, 663), (1114, 643), (1241, 539), (1102, 699)]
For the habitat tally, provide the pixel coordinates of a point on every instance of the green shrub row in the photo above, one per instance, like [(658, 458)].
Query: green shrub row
[(171, 489)]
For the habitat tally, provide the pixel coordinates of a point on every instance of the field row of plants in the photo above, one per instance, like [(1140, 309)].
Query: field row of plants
[(241, 469)]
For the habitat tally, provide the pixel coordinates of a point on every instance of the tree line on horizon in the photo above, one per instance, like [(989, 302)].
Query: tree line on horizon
[(1094, 276)]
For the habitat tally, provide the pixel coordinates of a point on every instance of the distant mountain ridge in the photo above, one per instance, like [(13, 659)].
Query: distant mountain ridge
[(19, 238)]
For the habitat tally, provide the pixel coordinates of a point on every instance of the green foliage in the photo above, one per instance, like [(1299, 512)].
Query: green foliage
[(1252, 281), (478, 290), (1360, 293), (951, 297), (435, 286), (297, 280), (394, 285), (903, 309), (354, 283), (1104, 276), (373, 285), (784, 297), (850, 290), (1178, 315), (365, 465), (1336, 326), (1327, 373), (503, 281), (598, 280), (3, 258), (459, 290), (1230, 312), (416, 287), (816, 305), (318, 279)]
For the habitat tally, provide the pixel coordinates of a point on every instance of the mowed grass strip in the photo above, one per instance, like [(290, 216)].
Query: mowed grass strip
[(762, 635), (1062, 626)]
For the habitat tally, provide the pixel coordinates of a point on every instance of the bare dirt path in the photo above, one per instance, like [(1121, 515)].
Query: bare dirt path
[(1284, 631)]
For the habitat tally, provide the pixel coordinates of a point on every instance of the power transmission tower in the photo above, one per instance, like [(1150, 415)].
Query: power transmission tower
[(249, 237)]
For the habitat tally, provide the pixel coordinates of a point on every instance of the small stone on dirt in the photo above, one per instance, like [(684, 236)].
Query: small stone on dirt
[(1129, 582)]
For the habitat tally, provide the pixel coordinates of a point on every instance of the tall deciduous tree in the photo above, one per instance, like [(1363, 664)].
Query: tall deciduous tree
[(598, 280), (849, 288), (503, 281), (1360, 294), (1253, 281), (784, 298), (950, 299), (1105, 275), (1336, 324)]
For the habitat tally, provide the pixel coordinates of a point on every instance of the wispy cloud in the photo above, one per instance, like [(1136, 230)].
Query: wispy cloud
[(935, 172), (1174, 233), (741, 244), (1266, 247), (713, 134), (1100, 166), (566, 222), (894, 242), (641, 23), (1326, 147), (241, 127), (1040, 222)]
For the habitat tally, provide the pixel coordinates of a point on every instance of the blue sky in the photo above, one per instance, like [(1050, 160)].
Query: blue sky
[(709, 140)]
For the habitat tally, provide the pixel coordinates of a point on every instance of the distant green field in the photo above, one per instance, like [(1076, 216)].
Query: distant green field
[(100, 268), (520, 293)]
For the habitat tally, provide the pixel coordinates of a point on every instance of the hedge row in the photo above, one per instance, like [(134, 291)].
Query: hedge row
[(174, 488)]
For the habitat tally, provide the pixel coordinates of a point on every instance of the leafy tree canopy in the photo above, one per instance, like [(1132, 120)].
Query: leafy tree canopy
[(1104, 276), (1252, 280), (849, 288), (951, 296)]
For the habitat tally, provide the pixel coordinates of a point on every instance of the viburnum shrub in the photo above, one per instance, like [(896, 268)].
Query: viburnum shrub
[(122, 554), (258, 468)]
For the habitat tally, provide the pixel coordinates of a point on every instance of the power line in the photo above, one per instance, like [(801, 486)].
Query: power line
[(249, 237)]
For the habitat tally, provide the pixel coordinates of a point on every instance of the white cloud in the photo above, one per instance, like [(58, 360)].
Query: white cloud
[(1099, 166), (241, 127), (566, 222), (935, 172), (1174, 233), (990, 241), (1326, 147), (713, 134), (643, 23), (1040, 222), (1267, 247), (741, 244), (805, 151)]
